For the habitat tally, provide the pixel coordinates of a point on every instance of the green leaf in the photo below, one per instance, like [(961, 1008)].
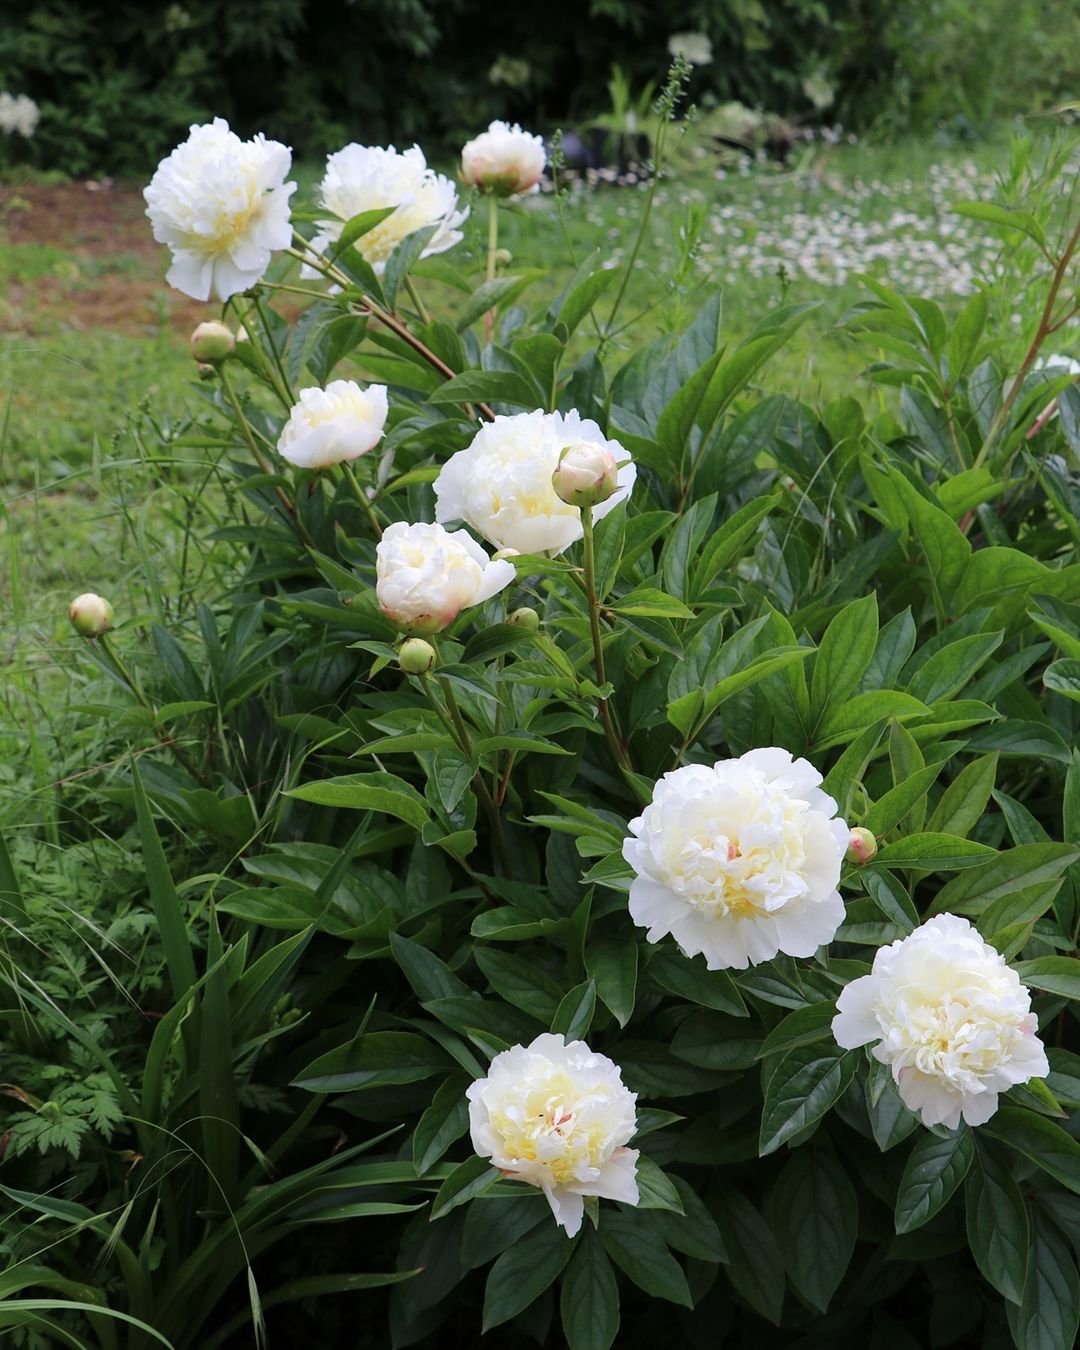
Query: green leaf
[(487, 386), (638, 1249), (803, 1026), (520, 982), (368, 792), (167, 910), (1012, 871), (580, 300), (688, 978), (442, 1124), (843, 655), (470, 1178), (589, 1298), (1044, 1143), (648, 602), (1007, 219), (378, 1058), (756, 1266), (815, 1213), (1056, 974), (573, 1016), (1048, 1316), (656, 1190), (944, 545), (1063, 677), (998, 1227), (935, 1168), (521, 1274), (935, 853), (803, 1086), (963, 802), (844, 722), (612, 963)]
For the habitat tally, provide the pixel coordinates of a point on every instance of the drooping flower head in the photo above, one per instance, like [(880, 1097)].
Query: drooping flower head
[(335, 424), (369, 178), (425, 576), (950, 1019), (501, 483), (222, 206), (739, 861), (504, 160), (557, 1116)]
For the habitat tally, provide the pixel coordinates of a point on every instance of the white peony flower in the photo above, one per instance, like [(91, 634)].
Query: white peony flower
[(950, 1018), (335, 424), (739, 861), (504, 159), (222, 206), (425, 576), (368, 178), (559, 1117), (501, 483)]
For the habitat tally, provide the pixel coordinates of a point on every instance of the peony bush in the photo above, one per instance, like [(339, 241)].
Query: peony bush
[(664, 924)]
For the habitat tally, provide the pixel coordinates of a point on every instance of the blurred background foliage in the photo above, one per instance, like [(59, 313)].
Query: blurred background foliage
[(118, 83)]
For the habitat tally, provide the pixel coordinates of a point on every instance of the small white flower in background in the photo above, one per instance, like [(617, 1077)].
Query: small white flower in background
[(558, 1116), (334, 425), (950, 1019), (504, 160), (501, 483), (221, 205), (425, 576), (694, 48), (739, 861), (19, 114), (371, 177), (1056, 366)]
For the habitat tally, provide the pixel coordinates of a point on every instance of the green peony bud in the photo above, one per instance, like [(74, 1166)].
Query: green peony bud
[(525, 618), (862, 846), (586, 474), (212, 342), (90, 615), (415, 656)]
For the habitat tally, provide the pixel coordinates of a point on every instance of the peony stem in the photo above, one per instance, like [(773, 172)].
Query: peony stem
[(260, 459), (1046, 327), (618, 748), (414, 296), (112, 658), (492, 249), (375, 311), (450, 716), (362, 497)]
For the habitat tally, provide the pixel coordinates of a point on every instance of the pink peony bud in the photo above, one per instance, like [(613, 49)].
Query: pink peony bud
[(212, 342), (90, 615), (586, 474), (861, 846)]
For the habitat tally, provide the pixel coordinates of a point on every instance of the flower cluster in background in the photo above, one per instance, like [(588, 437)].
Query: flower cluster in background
[(19, 114)]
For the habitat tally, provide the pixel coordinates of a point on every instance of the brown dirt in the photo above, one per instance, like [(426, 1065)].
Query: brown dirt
[(114, 277)]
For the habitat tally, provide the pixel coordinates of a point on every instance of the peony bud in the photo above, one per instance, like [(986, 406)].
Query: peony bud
[(861, 846), (415, 656), (212, 342), (525, 618), (586, 474), (90, 615), (503, 257), (204, 370)]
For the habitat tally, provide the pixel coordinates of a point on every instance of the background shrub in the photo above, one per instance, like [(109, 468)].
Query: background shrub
[(118, 83)]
